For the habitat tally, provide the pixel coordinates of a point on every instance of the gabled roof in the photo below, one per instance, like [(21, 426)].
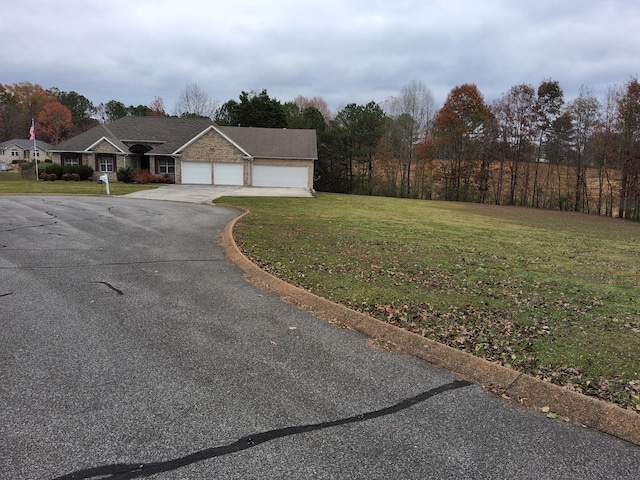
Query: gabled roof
[(169, 135), (165, 134), (25, 144), (275, 142)]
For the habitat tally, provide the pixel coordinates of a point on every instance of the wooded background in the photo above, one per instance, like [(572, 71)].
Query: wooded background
[(531, 147)]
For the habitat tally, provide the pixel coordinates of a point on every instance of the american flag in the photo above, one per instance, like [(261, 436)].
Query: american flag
[(32, 131)]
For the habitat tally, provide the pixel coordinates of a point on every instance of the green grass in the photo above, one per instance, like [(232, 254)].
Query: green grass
[(13, 183), (553, 294)]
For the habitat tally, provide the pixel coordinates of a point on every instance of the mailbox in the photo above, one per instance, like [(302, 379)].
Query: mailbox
[(105, 179)]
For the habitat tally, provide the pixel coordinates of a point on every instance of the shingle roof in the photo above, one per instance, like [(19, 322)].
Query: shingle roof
[(26, 144), (167, 135), (275, 142), (82, 141)]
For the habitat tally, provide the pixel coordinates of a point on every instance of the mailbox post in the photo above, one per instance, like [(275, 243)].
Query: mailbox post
[(105, 179)]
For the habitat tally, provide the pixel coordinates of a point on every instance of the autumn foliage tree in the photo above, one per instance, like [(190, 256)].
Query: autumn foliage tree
[(457, 135), (156, 108), (54, 123), (19, 104)]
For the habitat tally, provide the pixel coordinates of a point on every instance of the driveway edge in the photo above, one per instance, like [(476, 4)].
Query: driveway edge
[(515, 387)]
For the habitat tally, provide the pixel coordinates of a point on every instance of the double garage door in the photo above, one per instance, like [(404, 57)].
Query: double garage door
[(218, 173), (201, 173)]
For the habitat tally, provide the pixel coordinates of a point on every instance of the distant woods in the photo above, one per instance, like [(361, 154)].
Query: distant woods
[(530, 147)]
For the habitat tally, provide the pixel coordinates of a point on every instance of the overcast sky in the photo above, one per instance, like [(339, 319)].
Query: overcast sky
[(342, 50)]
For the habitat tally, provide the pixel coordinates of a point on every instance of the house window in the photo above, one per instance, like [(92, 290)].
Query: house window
[(15, 153), (36, 153), (106, 163), (71, 161), (166, 165)]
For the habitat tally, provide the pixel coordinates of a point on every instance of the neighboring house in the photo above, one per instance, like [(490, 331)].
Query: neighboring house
[(22, 150), (195, 151)]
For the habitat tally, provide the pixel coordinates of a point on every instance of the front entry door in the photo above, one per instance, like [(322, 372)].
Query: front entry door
[(144, 162)]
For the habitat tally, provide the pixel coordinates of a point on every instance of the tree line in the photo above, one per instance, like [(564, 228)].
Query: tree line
[(530, 147)]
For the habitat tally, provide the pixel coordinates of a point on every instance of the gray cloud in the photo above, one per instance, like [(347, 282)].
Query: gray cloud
[(345, 52)]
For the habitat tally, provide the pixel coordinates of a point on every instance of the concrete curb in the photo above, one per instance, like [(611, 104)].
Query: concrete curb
[(517, 388)]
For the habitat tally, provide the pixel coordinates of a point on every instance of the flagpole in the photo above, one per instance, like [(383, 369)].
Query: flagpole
[(32, 134)]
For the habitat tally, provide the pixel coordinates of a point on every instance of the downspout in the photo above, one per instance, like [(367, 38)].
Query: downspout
[(175, 169), (249, 159)]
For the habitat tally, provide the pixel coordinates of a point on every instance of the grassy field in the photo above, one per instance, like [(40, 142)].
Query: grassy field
[(12, 182), (553, 294)]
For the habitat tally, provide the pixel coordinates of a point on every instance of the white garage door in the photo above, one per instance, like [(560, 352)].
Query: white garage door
[(196, 172), (280, 176), (228, 173)]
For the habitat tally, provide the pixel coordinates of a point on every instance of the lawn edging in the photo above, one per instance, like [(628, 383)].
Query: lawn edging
[(515, 387)]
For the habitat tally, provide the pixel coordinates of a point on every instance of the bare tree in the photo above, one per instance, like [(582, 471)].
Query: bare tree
[(606, 145), (517, 118), (195, 102), (629, 126), (585, 115), (317, 102), (414, 110)]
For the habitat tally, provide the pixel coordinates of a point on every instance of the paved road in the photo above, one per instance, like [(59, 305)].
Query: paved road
[(131, 348)]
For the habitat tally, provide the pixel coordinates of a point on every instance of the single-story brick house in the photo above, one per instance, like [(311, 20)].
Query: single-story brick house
[(23, 150), (195, 151)]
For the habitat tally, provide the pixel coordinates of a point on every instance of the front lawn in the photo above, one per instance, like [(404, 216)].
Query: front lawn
[(13, 183), (553, 294)]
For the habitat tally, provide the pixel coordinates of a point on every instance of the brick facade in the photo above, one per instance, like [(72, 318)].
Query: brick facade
[(153, 143), (211, 147)]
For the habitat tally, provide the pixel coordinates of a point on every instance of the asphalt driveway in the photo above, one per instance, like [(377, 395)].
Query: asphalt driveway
[(131, 347)]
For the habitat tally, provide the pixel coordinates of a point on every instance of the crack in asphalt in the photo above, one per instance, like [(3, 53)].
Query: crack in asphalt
[(34, 226), (119, 292), (30, 226), (138, 470), (109, 264)]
